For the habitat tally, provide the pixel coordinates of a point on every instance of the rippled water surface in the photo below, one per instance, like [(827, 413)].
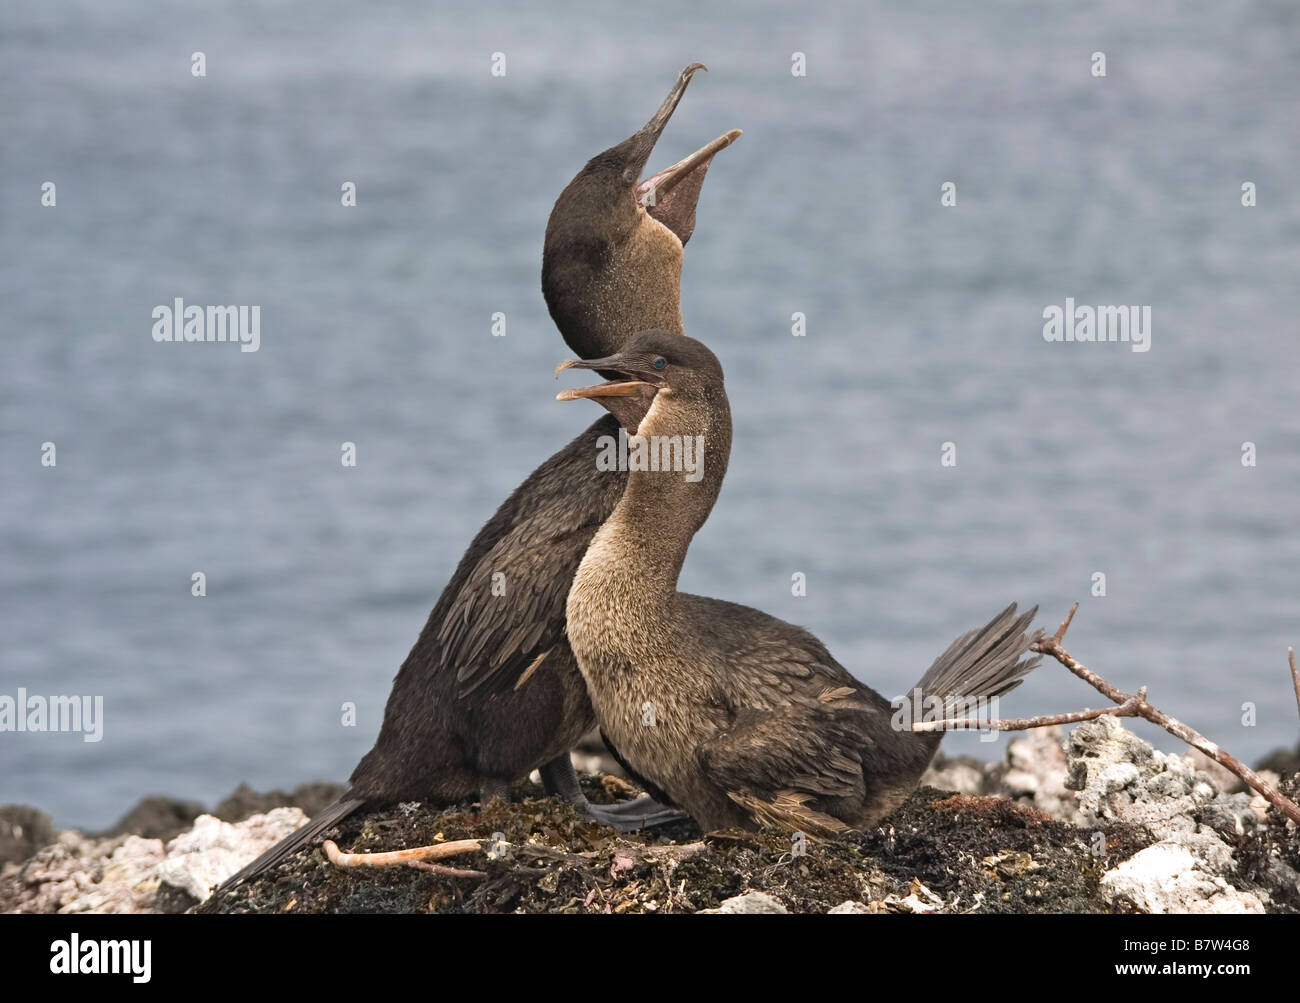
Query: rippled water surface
[(924, 326)]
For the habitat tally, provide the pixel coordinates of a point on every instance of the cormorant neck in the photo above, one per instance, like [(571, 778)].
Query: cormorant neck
[(602, 290), (676, 463)]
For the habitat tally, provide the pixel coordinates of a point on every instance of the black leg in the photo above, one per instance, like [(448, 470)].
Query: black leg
[(560, 780)]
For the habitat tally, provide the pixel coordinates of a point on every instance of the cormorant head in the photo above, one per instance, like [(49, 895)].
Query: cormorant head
[(612, 258), (674, 376)]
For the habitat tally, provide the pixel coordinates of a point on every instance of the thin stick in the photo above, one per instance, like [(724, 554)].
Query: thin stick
[(392, 858), (447, 872), (1295, 676), (1025, 723), (1052, 646)]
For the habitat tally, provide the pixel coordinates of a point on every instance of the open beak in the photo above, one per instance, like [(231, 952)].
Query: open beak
[(670, 195), (654, 189), (634, 379), (628, 396)]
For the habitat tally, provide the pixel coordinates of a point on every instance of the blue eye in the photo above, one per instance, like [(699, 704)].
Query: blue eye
[(660, 363)]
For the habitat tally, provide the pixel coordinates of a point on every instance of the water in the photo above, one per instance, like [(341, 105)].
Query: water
[(924, 326)]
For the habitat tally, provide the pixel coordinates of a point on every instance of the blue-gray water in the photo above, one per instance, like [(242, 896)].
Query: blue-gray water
[(924, 325)]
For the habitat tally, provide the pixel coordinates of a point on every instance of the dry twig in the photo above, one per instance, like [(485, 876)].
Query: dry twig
[(1295, 676), (416, 856), (1129, 705), (1128, 709), (1052, 646)]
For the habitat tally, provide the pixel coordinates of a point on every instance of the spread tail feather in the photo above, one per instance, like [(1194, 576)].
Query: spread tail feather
[(324, 819), (984, 662)]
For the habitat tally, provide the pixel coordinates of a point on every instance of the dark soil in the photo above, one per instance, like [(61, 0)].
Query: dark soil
[(957, 853)]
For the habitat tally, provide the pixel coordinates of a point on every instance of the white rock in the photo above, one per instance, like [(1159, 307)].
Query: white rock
[(1167, 877), (954, 775), (1116, 777), (1120, 777), (750, 902), (1224, 779), (80, 874), (1035, 769), (200, 859)]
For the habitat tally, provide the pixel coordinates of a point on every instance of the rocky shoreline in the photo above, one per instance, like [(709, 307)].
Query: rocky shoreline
[(1093, 820)]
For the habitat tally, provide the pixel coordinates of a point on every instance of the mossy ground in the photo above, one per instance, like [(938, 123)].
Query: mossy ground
[(970, 854)]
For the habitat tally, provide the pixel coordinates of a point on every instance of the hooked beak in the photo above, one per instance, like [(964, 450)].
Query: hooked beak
[(670, 196), (634, 379), (652, 129), (628, 396)]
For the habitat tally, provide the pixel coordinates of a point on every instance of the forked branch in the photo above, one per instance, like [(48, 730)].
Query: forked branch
[(1129, 705)]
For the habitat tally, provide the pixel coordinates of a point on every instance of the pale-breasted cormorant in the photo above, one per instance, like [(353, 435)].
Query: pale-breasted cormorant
[(491, 691), (733, 715)]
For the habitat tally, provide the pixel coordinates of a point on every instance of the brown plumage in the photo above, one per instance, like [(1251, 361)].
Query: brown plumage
[(491, 691), (735, 716)]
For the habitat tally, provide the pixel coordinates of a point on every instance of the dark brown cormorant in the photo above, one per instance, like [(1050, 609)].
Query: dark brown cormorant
[(490, 690), (733, 715)]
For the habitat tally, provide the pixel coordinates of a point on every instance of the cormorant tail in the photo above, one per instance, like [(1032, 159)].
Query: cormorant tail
[(984, 662), (325, 818)]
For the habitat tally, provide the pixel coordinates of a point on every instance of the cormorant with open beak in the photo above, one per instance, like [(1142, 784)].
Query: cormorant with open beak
[(491, 691), (735, 716)]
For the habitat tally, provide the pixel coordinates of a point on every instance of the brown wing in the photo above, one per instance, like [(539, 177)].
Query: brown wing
[(783, 761), (504, 607)]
